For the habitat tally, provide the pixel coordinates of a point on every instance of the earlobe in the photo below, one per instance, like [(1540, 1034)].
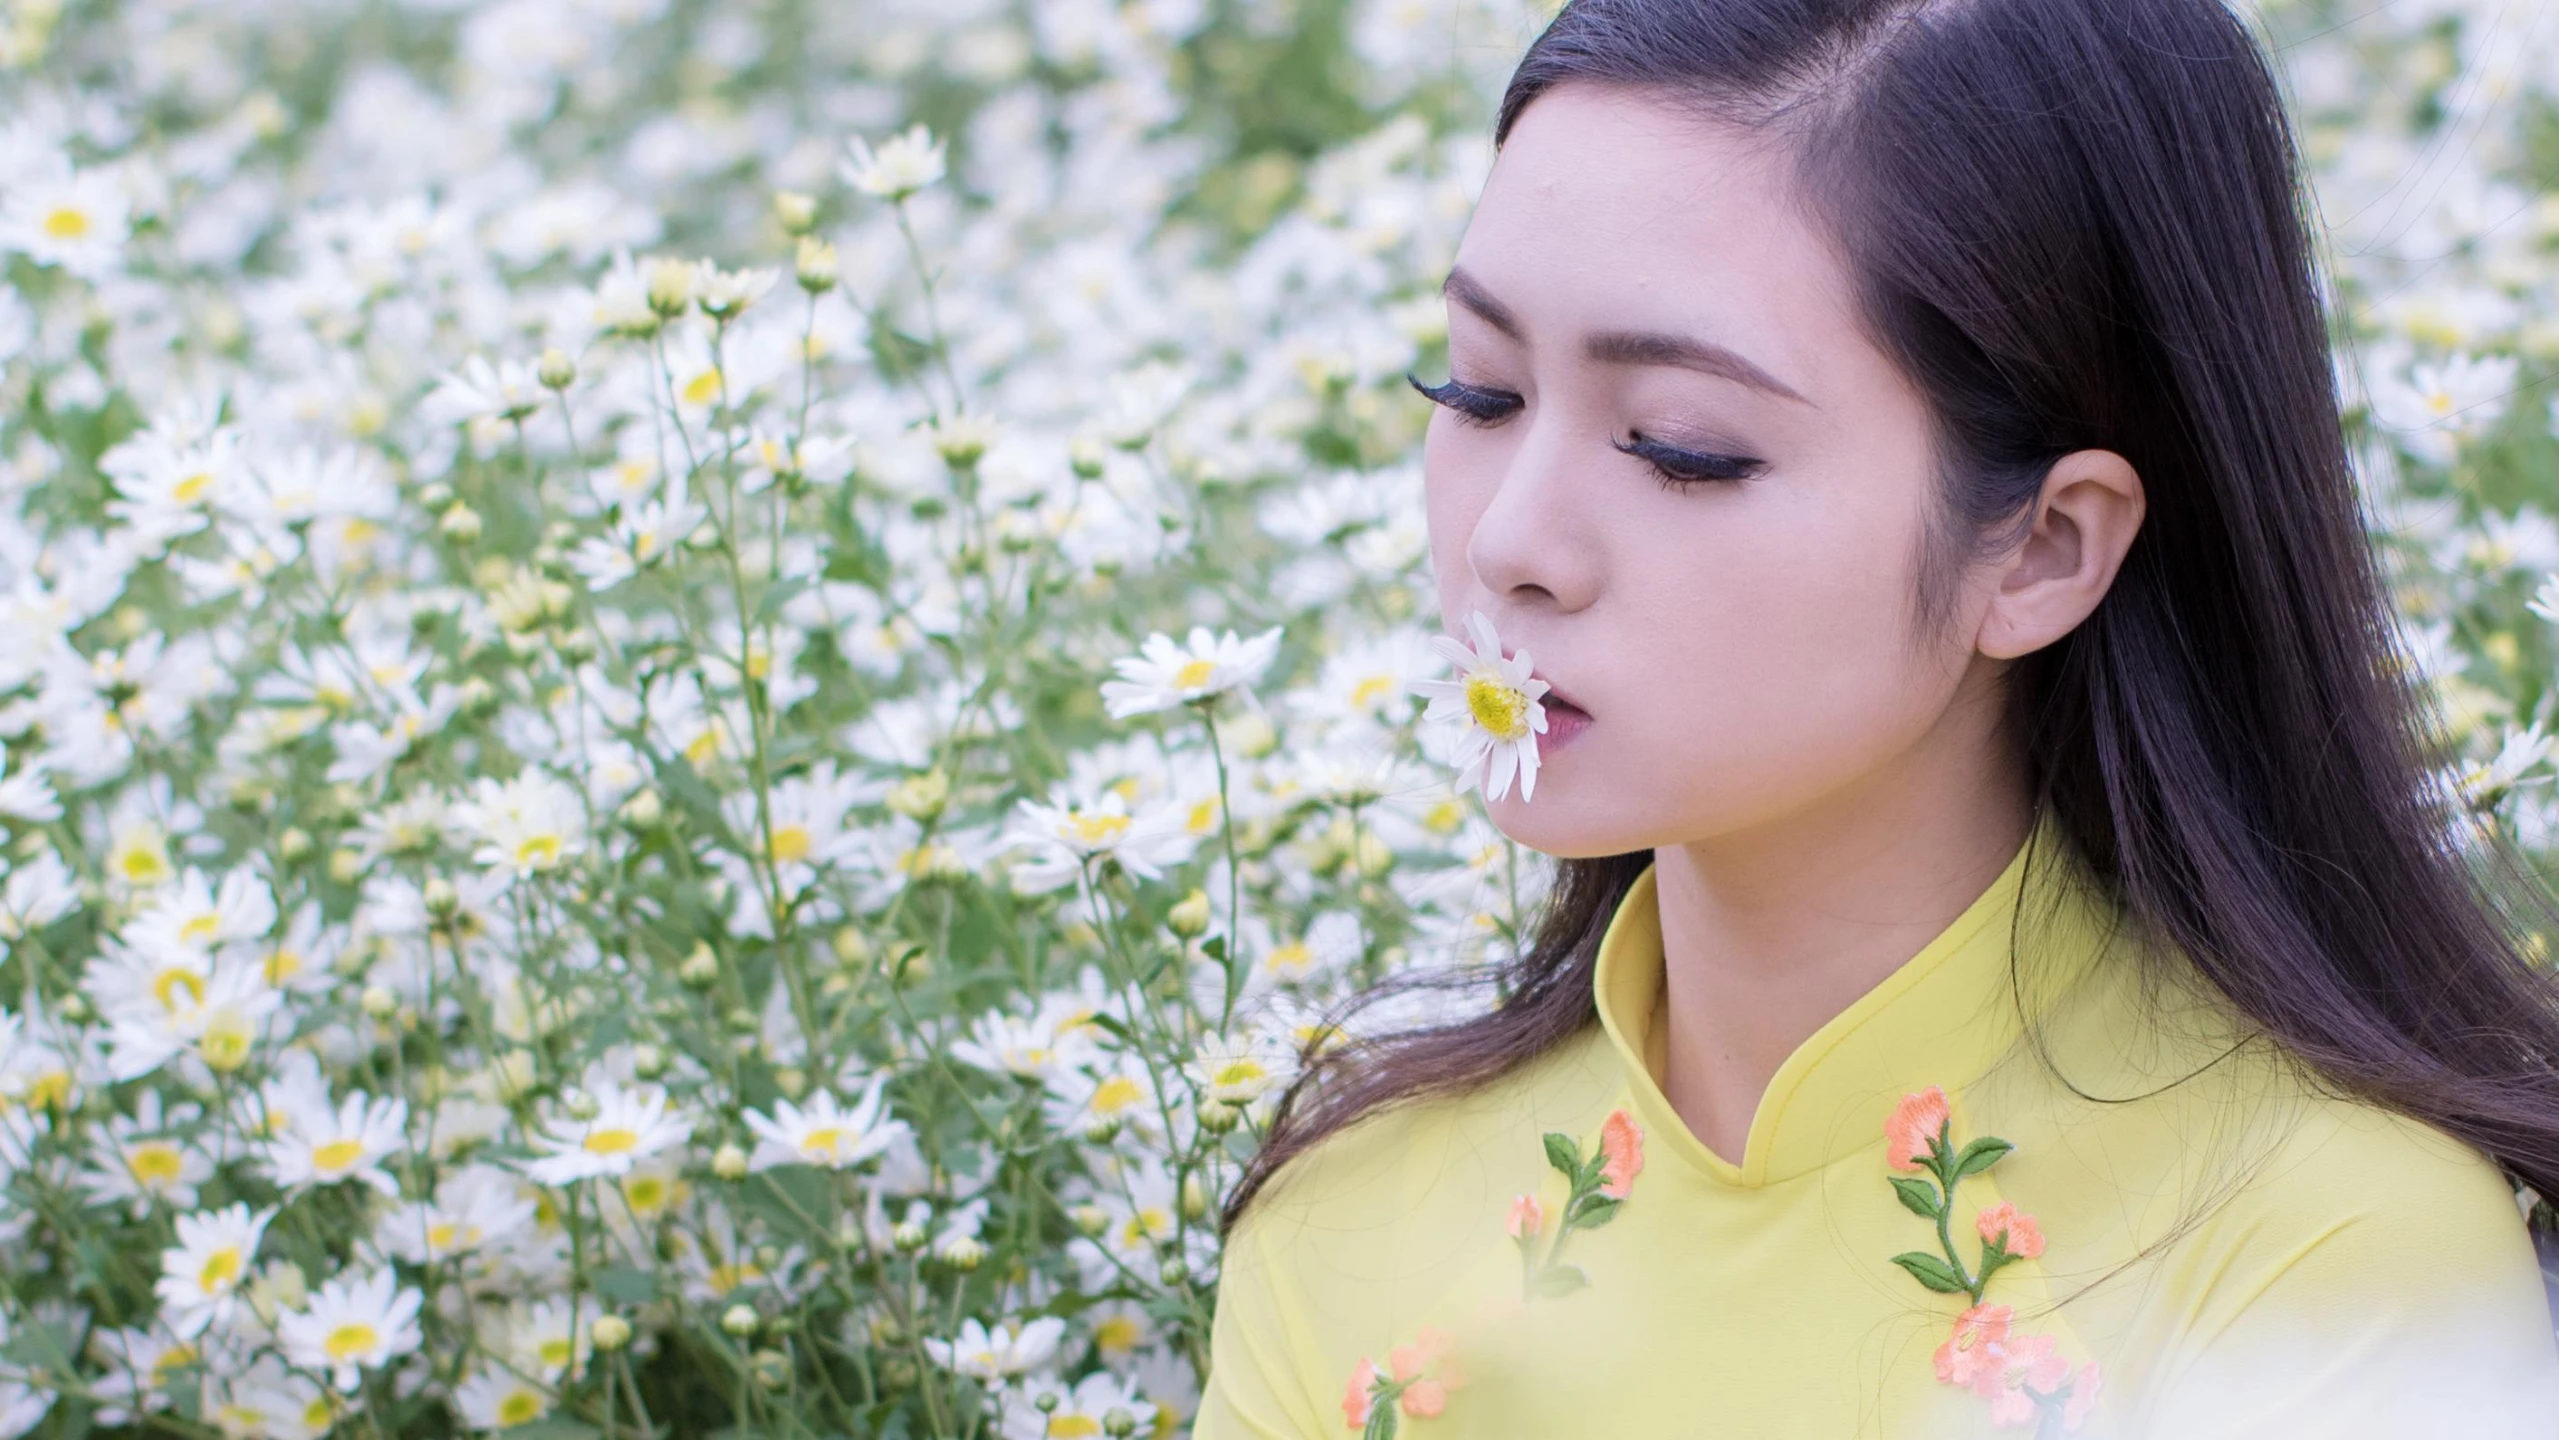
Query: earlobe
[(2086, 516)]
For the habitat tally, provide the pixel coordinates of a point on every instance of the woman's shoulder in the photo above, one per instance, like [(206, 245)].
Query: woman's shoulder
[(1385, 1184)]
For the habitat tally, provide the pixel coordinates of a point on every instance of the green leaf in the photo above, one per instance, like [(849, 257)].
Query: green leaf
[(626, 1285), (1563, 1155), (1917, 1196), (1981, 1155), (552, 1427), (1381, 1421), (1593, 1211), (1930, 1271), (1558, 1280), (1214, 947)]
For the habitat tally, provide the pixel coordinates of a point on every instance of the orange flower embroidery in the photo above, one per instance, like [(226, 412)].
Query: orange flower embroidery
[(2025, 1379), (1621, 1148), (1416, 1382), (1600, 1183)]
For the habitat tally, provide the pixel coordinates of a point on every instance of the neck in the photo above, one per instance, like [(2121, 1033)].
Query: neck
[(1769, 932)]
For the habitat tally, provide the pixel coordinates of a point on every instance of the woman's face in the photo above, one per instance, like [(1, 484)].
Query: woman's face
[(1635, 279)]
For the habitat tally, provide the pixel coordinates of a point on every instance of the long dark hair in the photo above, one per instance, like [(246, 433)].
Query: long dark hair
[(2080, 224)]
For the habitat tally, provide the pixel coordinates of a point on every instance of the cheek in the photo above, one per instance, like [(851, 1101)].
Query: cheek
[(1459, 475), (1765, 665)]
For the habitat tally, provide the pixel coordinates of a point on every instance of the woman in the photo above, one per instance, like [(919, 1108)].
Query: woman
[(2008, 969)]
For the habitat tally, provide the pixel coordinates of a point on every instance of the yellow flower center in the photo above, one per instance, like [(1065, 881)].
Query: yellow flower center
[(66, 223), (1115, 1095), (199, 929), (219, 1270), (1500, 708), (155, 1163), (1370, 691), (825, 1140), (143, 863), (281, 966), (191, 489), (226, 1042), (1096, 830), (173, 988), (351, 1340), (172, 1360), (791, 843), (1118, 1335), (337, 1155), (704, 388), (538, 852), (1063, 1424), (444, 1235), (612, 1142), (518, 1407), (1194, 675), (555, 1351), (1289, 959), (1203, 817), (1239, 1072), (645, 1193)]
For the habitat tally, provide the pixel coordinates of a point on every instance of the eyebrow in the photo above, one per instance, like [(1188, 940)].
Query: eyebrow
[(1627, 347)]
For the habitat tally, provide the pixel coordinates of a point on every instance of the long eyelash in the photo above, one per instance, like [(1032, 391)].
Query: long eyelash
[(1473, 406), (1686, 469)]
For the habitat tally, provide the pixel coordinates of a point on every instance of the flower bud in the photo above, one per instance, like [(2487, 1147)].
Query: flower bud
[(648, 1062), (582, 1106), (908, 1236), (1217, 1117), (555, 370), (851, 947), (701, 969), (345, 866), (740, 1320), (1194, 1196), (920, 796), (294, 843), (792, 1081), (817, 265), (1189, 919), (670, 287), (729, 1162), (1173, 1272), (1118, 1423), (1090, 1220), (459, 524), (1047, 1402), (610, 1333), (1101, 1129), (643, 810), (442, 900), (1084, 455), (797, 212), (379, 1002), (964, 1253)]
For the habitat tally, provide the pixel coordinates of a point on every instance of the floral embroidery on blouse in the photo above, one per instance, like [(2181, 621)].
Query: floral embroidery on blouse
[(1415, 1381), (1600, 1182), (2025, 1379)]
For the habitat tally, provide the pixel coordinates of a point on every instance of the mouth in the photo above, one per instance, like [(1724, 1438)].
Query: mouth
[(1565, 720)]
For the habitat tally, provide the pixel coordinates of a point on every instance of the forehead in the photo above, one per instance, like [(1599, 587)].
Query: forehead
[(1606, 207)]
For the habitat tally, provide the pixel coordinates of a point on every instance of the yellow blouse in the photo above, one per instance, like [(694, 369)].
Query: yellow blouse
[(2202, 1243)]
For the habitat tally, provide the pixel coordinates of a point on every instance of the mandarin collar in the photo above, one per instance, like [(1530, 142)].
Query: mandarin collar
[(1943, 1017)]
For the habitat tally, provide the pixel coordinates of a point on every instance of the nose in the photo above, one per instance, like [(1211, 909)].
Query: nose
[(1535, 545)]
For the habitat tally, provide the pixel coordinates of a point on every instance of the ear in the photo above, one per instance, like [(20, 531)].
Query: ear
[(2085, 519)]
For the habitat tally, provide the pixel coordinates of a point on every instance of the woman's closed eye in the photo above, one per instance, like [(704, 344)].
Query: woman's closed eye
[(1675, 468)]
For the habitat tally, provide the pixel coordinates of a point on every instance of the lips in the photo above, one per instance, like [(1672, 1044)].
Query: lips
[(1564, 719)]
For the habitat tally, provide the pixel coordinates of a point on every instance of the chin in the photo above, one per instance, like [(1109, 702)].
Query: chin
[(1565, 825)]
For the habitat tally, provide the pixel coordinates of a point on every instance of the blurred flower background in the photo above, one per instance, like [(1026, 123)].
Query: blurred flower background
[(701, 701)]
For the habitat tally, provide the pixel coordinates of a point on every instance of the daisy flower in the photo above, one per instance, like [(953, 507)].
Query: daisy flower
[(627, 1126), (320, 1146), (1006, 1350), (493, 1399), (76, 219), (1062, 838), (352, 1325), (525, 826), (824, 1134), (1164, 673), (201, 1275), (902, 165), (1497, 701)]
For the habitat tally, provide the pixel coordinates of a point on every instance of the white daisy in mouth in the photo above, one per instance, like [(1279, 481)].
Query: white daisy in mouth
[(1497, 701)]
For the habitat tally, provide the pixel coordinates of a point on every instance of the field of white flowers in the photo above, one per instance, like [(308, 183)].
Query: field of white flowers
[(699, 699)]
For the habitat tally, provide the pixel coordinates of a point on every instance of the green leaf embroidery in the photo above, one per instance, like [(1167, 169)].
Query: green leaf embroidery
[(1563, 1154), (1558, 1280), (1981, 1155), (1932, 1272), (1918, 1196), (1594, 1211)]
